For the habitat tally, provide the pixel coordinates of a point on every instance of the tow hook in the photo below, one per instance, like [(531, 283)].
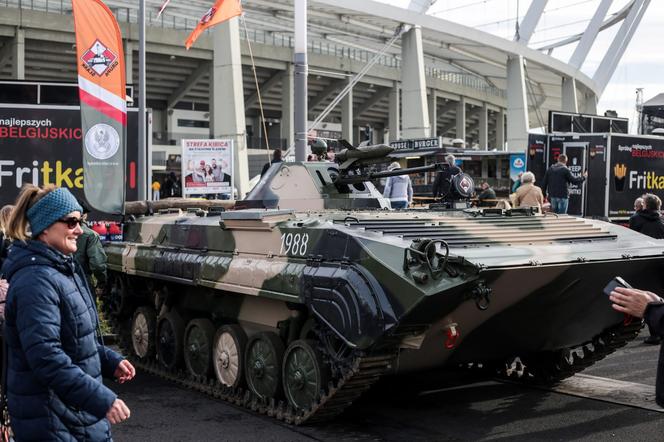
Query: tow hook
[(481, 295), (452, 334)]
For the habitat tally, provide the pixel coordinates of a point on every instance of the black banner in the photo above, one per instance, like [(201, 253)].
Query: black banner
[(536, 155), (42, 145), (576, 163), (576, 148), (636, 167)]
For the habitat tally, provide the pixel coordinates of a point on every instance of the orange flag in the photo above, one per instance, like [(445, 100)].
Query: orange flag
[(220, 12)]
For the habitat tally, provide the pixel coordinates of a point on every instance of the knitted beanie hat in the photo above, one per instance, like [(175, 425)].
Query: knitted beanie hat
[(50, 208)]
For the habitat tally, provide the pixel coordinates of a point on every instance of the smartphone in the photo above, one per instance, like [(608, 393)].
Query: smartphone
[(615, 282)]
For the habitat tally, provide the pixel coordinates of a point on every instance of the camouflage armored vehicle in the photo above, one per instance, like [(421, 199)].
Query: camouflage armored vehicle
[(295, 301)]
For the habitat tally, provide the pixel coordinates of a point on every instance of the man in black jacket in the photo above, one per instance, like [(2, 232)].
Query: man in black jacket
[(649, 306), (487, 194), (556, 179), (276, 158), (648, 221), (442, 185)]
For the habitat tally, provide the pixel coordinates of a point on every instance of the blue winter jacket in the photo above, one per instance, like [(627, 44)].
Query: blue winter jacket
[(56, 361)]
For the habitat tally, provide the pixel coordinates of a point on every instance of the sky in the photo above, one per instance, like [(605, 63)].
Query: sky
[(642, 65)]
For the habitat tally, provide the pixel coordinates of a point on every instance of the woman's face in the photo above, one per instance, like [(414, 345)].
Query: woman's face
[(62, 234)]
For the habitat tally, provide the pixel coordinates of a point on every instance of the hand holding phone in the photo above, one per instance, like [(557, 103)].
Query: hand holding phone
[(615, 282)]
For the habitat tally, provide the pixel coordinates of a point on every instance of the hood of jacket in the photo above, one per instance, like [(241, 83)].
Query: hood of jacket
[(32, 252), (650, 215)]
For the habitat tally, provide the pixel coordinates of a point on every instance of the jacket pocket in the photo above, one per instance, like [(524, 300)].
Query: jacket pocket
[(70, 416)]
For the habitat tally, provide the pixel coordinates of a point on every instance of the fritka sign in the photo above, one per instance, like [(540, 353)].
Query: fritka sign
[(101, 83)]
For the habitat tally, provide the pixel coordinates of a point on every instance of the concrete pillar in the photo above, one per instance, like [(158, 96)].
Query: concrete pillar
[(287, 128), (227, 98), (500, 130), (433, 112), (461, 119), (517, 106), (484, 127), (415, 115), (569, 100), (393, 113), (129, 61), (18, 55), (347, 116), (590, 104)]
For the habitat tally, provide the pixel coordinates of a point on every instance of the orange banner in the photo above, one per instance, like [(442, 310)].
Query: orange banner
[(99, 51), (220, 12), (102, 91)]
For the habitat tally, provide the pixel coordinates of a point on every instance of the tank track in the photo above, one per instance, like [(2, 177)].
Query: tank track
[(551, 367), (358, 376)]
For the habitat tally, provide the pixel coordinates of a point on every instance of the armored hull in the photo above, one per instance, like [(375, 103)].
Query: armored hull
[(296, 313)]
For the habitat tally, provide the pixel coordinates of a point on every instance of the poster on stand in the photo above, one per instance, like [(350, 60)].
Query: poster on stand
[(207, 168), (517, 166)]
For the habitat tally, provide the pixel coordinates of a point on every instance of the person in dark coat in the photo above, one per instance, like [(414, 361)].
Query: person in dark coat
[(90, 253), (171, 187), (276, 158), (442, 185), (56, 358), (649, 221), (555, 182), (649, 306), (487, 194)]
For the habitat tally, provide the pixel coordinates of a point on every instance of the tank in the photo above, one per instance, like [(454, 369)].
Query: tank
[(296, 300)]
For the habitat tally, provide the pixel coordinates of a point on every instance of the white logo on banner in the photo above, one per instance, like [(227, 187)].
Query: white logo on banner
[(102, 141)]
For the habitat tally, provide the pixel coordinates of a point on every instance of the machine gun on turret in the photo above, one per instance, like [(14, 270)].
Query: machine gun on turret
[(356, 165), (345, 185)]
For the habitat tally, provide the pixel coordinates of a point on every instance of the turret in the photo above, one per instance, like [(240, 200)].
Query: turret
[(344, 184)]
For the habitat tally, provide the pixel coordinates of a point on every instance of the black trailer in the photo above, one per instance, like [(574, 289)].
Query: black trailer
[(620, 167)]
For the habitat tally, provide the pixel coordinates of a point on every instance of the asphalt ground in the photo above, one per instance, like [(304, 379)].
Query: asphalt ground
[(483, 411)]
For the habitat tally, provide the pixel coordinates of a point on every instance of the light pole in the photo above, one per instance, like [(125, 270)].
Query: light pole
[(300, 80)]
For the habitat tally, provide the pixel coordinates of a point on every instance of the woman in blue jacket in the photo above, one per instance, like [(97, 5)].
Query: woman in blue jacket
[(56, 358)]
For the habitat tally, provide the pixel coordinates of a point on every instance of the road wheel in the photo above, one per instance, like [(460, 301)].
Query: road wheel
[(143, 332), (265, 352), (116, 295), (170, 337), (198, 346), (304, 374), (228, 356)]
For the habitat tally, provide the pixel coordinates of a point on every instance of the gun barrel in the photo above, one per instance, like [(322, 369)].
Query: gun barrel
[(353, 179)]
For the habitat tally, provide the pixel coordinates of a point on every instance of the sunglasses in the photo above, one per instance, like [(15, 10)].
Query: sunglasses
[(71, 222)]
